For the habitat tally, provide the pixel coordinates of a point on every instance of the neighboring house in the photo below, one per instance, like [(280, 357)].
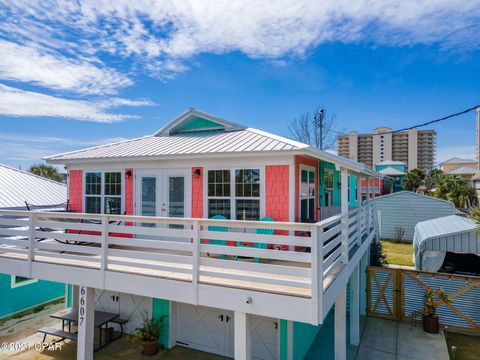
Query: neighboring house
[(239, 286), (19, 293), (395, 170), (465, 168), (405, 210), (435, 238)]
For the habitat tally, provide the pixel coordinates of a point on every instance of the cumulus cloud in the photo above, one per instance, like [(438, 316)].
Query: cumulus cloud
[(92, 47), (30, 64), (17, 102), (164, 34)]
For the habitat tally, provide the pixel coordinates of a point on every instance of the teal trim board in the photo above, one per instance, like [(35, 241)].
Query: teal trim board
[(321, 183), (161, 311), (23, 297), (69, 295), (352, 196), (283, 339)]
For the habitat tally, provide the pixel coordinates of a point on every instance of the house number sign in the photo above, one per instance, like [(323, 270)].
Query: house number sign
[(81, 311)]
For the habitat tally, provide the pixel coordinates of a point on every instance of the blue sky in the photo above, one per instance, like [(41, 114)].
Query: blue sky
[(89, 73)]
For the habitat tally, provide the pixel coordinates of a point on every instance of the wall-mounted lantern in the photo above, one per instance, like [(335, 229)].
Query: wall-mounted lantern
[(197, 172)]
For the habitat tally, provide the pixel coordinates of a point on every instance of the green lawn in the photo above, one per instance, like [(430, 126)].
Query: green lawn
[(398, 253), (468, 346)]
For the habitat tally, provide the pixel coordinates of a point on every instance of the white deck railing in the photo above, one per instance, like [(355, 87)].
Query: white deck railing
[(293, 259)]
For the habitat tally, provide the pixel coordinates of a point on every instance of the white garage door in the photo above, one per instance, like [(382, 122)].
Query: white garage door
[(130, 307), (211, 330)]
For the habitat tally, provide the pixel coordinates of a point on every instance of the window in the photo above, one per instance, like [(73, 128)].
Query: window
[(307, 195), (238, 200), (17, 281), (103, 193)]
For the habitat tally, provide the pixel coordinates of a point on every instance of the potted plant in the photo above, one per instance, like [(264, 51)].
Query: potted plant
[(430, 318), (149, 334)]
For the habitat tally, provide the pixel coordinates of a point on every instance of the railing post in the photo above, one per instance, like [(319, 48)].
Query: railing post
[(344, 208), (359, 226), (195, 259), (104, 248), (315, 271), (31, 242)]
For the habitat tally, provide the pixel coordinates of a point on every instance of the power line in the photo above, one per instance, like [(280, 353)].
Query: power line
[(425, 123), (436, 120)]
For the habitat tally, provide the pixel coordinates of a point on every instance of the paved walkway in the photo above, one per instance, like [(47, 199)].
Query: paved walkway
[(389, 340)]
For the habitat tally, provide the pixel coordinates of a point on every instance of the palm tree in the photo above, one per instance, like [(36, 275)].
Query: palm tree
[(456, 189), (413, 179), (46, 171)]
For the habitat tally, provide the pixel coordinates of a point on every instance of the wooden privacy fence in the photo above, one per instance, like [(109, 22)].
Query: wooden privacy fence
[(399, 294)]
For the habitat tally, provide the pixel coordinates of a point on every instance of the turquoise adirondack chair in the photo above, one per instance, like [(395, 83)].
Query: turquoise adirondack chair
[(220, 229), (261, 231)]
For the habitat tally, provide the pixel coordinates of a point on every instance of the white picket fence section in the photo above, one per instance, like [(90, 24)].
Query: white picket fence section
[(295, 259)]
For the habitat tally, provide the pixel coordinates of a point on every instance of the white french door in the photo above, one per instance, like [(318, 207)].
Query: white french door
[(165, 192)]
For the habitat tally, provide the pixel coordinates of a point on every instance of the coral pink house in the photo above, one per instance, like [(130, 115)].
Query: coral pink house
[(257, 280)]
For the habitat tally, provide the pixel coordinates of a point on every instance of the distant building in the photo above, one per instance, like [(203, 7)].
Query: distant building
[(465, 168), (395, 170), (416, 148)]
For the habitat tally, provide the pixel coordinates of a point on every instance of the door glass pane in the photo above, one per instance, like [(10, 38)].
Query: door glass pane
[(176, 196), (113, 205), (149, 191)]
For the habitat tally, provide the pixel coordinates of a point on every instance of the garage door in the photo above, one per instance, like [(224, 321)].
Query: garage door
[(211, 330)]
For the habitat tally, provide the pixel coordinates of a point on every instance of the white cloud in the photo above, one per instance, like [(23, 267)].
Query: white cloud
[(464, 152), (33, 65), (16, 102), (162, 35)]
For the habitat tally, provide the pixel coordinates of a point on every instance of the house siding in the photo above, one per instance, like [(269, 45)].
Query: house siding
[(197, 194), (405, 209), (129, 186), (13, 300), (76, 190), (276, 192)]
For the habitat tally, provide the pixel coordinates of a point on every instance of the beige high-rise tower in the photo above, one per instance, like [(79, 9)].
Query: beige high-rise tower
[(416, 148)]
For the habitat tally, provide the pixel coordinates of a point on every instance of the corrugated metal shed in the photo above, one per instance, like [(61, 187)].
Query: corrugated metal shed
[(17, 186), (406, 209), (434, 238), (450, 233)]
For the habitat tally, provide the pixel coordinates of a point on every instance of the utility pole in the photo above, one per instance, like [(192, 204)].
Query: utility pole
[(319, 116)]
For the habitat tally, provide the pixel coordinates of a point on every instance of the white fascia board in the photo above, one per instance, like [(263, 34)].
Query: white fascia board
[(205, 156)]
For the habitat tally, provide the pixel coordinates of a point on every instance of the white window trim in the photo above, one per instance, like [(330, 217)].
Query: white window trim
[(14, 284), (308, 168), (102, 192), (232, 197)]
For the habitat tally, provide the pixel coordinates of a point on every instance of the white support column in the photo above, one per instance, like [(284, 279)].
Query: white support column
[(344, 211), (86, 313), (355, 307), (363, 284), (242, 336), (341, 326)]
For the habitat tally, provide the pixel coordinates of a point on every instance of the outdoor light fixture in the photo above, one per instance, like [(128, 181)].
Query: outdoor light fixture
[(128, 173), (197, 172)]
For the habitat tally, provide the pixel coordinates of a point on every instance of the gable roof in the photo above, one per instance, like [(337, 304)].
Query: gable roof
[(464, 170), (18, 186), (200, 120), (412, 194), (391, 171), (391, 162), (187, 136), (456, 160)]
